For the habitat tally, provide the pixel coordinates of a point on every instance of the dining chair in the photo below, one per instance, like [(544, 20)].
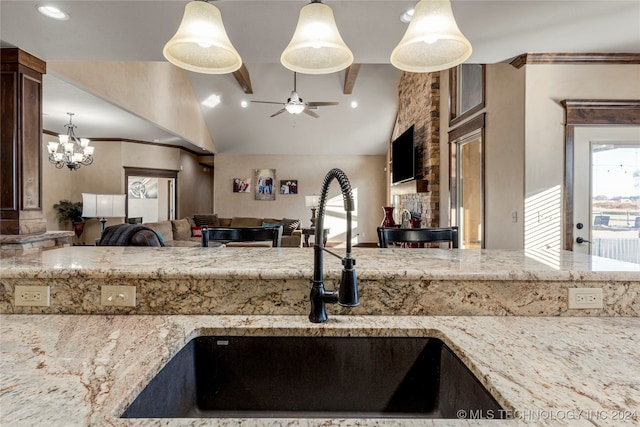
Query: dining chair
[(412, 237), (271, 234)]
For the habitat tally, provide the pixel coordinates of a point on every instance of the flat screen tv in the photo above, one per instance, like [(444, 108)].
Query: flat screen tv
[(403, 157)]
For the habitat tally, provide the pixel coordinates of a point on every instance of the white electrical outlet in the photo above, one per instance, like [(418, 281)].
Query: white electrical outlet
[(585, 298), (118, 296), (32, 296)]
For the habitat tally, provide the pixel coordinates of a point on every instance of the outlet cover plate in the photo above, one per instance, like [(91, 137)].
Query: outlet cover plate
[(585, 298), (32, 296), (118, 296)]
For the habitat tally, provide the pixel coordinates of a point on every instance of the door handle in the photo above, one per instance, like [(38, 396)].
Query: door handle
[(581, 240)]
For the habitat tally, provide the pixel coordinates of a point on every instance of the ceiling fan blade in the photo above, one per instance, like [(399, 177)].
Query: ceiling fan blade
[(310, 113), (282, 110), (321, 104), (268, 102)]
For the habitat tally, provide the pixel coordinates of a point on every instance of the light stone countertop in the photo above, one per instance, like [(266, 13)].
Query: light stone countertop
[(297, 263), (80, 370), (276, 281)]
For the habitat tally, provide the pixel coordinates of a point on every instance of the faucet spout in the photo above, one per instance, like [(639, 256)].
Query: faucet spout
[(347, 294)]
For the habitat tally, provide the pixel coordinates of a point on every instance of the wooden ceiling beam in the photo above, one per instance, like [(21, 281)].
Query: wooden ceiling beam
[(350, 76), (243, 79)]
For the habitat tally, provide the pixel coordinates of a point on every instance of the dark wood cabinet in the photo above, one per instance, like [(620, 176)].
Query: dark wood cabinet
[(20, 146)]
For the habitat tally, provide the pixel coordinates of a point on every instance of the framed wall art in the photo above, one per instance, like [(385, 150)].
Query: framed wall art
[(264, 180), (142, 187), (241, 185), (289, 186)]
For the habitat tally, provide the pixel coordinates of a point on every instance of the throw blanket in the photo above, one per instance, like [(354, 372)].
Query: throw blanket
[(121, 234)]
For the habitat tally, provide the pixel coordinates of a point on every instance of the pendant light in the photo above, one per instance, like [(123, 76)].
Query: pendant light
[(316, 46), (433, 41), (201, 43)]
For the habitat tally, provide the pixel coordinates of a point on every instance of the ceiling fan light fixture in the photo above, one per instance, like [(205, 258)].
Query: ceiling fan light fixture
[(433, 41), (294, 108), (201, 43), (316, 46)]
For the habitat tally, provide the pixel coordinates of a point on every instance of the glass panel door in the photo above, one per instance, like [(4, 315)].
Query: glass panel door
[(470, 192), (615, 201), (607, 192)]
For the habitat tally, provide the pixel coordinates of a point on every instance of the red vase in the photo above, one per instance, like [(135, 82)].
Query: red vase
[(415, 222), (78, 228), (388, 221)]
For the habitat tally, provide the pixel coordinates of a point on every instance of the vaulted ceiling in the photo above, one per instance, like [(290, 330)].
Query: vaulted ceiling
[(137, 31)]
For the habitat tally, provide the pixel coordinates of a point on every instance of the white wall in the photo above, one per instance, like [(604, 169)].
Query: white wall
[(366, 174)]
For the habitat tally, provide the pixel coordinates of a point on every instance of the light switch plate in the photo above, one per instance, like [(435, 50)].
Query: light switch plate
[(118, 296), (32, 296)]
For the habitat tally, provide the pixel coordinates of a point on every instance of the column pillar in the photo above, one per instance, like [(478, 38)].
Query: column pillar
[(21, 143)]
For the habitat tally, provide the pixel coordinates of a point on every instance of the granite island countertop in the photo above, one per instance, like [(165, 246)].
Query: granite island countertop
[(251, 281), (297, 263), (71, 370)]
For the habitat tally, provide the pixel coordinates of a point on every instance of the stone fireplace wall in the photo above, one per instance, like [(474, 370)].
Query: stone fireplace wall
[(419, 105)]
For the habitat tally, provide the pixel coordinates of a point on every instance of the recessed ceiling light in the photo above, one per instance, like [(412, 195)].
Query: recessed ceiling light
[(407, 16), (211, 101), (354, 104), (244, 104), (52, 12)]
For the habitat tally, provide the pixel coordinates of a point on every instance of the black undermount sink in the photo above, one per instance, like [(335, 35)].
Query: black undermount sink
[(313, 377)]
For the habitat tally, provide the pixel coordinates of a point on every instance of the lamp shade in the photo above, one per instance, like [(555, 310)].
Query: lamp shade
[(316, 46), (103, 205), (201, 43), (433, 41), (311, 201)]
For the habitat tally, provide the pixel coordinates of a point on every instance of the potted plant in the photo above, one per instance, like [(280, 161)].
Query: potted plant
[(70, 211)]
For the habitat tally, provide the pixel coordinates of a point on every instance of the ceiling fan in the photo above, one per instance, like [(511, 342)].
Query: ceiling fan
[(295, 104)]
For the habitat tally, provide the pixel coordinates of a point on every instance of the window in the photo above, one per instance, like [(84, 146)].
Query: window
[(466, 91)]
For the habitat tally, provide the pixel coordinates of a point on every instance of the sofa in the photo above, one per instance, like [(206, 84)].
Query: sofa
[(187, 231)]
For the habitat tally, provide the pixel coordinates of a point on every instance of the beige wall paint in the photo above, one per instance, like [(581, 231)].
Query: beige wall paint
[(366, 174), (504, 157), (157, 91), (150, 156), (106, 176), (195, 187), (56, 186), (546, 86), (524, 144)]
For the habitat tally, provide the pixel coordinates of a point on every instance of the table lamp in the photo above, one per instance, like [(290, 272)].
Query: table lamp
[(103, 206), (312, 202)]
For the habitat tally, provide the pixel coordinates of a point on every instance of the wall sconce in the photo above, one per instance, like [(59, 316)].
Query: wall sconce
[(103, 206), (433, 41)]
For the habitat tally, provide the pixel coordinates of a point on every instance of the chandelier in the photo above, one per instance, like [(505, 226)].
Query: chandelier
[(70, 151)]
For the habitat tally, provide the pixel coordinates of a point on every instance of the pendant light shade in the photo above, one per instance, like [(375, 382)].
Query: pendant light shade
[(433, 41), (201, 43), (316, 46)]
